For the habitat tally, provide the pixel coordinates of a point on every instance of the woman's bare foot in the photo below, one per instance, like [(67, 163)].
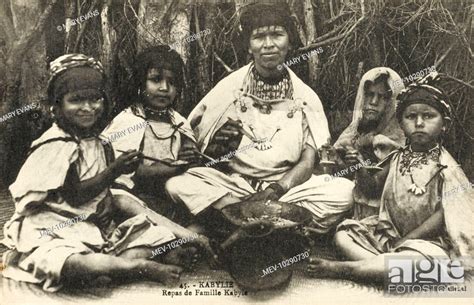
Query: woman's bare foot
[(101, 281), (323, 268), (166, 274), (184, 256)]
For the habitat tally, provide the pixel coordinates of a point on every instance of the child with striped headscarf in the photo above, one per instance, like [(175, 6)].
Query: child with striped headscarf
[(67, 175)]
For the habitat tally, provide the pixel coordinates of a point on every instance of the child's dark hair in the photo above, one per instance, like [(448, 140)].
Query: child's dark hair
[(160, 57), (424, 94)]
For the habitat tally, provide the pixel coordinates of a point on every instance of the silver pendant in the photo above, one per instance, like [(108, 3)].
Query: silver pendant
[(417, 190), (263, 145)]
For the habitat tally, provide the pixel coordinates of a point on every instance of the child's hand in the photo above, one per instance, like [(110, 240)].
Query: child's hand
[(353, 157), (127, 163), (366, 141)]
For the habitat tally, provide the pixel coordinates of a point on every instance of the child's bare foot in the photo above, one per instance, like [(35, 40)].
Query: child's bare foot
[(196, 228), (322, 268), (184, 256), (166, 274)]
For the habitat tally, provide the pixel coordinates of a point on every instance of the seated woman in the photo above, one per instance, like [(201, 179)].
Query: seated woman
[(67, 225), (417, 217), (151, 126), (273, 123), (374, 131)]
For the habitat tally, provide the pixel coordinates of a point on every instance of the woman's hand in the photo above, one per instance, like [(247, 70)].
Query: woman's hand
[(231, 129), (188, 152), (265, 195), (226, 139), (229, 135)]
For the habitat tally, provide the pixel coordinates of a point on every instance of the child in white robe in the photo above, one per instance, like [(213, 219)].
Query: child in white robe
[(67, 225)]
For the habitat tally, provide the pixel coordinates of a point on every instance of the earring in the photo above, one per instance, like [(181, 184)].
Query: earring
[(51, 112)]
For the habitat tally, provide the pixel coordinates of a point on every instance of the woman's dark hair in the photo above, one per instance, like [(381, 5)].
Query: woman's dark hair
[(259, 15), (159, 57)]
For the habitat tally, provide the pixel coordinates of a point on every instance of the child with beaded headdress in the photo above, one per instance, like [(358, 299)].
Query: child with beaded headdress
[(420, 216), (67, 225)]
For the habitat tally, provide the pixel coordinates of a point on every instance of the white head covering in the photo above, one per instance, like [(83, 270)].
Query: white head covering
[(388, 126)]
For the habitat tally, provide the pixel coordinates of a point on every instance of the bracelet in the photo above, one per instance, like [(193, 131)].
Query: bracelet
[(279, 190)]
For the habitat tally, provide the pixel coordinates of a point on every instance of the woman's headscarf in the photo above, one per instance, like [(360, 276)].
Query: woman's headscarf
[(388, 125)]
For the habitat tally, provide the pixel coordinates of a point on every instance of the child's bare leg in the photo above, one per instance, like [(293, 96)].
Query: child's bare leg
[(92, 265), (369, 270), (130, 208), (349, 249), (136, 253)]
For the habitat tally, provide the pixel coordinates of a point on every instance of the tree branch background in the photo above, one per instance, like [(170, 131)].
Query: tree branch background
[(356, 36)]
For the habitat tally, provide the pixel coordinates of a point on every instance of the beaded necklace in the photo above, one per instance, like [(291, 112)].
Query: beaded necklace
[(263, 93), (414, 159)]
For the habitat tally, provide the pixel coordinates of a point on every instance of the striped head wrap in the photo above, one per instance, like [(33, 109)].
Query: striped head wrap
[(425, 92), (73, 72)]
